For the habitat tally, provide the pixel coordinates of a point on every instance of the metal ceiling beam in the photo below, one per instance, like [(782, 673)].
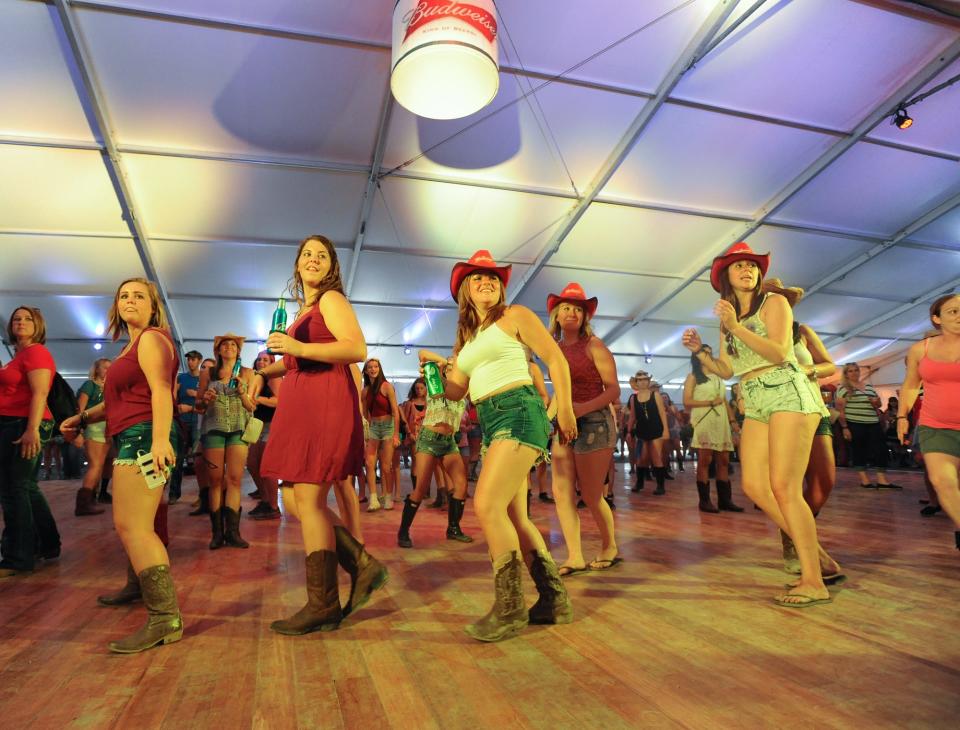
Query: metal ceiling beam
[(372, 184), (879, 113), (947, 286), (922, 222), (93, 100), (705, 33)]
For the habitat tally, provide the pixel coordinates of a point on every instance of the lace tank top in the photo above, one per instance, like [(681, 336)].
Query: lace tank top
[(440, 410), (743, 359)]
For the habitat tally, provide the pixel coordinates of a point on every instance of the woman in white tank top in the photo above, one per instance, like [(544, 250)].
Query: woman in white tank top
[(491, 364)]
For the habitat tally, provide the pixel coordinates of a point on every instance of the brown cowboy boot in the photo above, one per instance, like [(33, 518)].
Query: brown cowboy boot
[(164, 625), (322, 611), (508, 615), (553, 606)]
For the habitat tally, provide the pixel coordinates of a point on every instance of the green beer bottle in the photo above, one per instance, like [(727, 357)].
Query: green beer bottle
[(279, 323)]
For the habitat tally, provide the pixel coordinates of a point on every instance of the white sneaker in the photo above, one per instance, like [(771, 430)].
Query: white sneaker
[(388, 501), (374, 504)]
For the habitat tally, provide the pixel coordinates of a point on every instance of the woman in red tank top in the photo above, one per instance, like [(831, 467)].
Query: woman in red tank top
[(935, 362), (316, 436), (378, 401), (585, 461), (138, 409)]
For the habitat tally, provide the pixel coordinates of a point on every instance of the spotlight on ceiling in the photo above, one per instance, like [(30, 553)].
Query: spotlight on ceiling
[(901, 119), (97, 346), (407, 350), (648, 359)]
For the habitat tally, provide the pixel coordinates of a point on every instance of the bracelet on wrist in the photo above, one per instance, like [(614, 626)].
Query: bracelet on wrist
[(904, 418)]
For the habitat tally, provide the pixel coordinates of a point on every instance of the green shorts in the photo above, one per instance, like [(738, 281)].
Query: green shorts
[(782, 389), (516, 415), (136, 440), (436, 444), (939, 441), (222, 439), (824, 428), (380, 430)]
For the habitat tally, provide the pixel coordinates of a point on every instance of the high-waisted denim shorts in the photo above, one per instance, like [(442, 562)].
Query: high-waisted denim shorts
[(781, 389), (381, 430), (516, 415), (436, 444), (595, 431)]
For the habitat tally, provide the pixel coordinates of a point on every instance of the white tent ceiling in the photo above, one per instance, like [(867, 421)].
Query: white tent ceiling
[(226, 130)]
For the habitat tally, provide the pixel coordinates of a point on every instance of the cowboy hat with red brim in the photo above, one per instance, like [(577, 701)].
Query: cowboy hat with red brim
[(737, 252), (480, 261), (574, 294)]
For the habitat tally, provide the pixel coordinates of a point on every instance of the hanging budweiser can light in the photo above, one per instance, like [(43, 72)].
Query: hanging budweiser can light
[(444, 57)]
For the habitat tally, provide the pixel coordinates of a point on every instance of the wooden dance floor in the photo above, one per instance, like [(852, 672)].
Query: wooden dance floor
[(682, 634)]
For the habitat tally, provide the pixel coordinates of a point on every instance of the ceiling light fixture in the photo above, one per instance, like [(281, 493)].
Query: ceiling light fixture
[(901, 119), (445, 59), (648, 359), (407, 350)]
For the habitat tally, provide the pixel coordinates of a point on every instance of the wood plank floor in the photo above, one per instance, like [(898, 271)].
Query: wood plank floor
[(683, 634)]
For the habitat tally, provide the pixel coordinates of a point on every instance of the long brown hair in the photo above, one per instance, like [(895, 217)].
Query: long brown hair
[(373, 387), (938, 305), (332, 280), (586, 331), (727, 293), (158, 316), (468, 323)]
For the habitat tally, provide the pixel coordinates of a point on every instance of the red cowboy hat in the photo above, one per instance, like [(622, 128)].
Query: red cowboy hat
[(574, 294), (737, 252), (480, 261)]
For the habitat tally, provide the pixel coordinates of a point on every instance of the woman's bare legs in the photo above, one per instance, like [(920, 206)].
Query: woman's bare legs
[(134, 507), (564, 476), (591, 468)]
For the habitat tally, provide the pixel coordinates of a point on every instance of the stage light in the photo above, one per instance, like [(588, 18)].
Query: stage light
[(901, 119), (444, 57), (648, 359), (407, 350), (97, 346)]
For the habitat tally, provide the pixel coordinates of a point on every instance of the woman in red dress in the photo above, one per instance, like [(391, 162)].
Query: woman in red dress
[(316, 438)]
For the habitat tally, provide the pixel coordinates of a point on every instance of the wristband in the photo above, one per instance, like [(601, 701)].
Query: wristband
[(83, 420), (905, 418)]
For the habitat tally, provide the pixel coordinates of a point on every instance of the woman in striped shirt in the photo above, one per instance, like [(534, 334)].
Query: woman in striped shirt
[(859, 406)]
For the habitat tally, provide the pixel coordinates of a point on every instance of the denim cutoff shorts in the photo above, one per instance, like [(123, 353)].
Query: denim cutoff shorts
[(595, 431), (782, 389), (516, 415), (136, 440), (381, 430), (436, 444), (96, 432)]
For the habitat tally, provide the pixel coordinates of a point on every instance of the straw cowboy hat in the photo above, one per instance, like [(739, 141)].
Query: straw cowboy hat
[(229, 336), (792, 294), (480, 261), (737, 252), (640, 374), (574, 294)]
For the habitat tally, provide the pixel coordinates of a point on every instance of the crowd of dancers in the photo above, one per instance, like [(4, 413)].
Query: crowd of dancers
[(305, 420)]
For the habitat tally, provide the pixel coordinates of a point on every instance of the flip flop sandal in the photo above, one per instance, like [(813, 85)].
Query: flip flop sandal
[(605, 564), (567, 570), (806, 603)]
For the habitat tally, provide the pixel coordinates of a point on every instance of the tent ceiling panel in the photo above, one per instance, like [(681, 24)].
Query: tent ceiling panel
[(228, 200), (935, 126), (456, 220), (66, 316), (865, 52), (44, 189), (663, 340), (227, 269), (237, 93), (417, 328), (358, 19), (206, 318), (74, 359), (709, 161), (88, 265), (551, 40), (619, 294), (513, 145), (875, 190), (663, 370), (637, 240), (945, 231), (900, 272), (694, 303), (802, 258), (835, 314), (909, 325), (859, 349), (39, 98), (408, 279)]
